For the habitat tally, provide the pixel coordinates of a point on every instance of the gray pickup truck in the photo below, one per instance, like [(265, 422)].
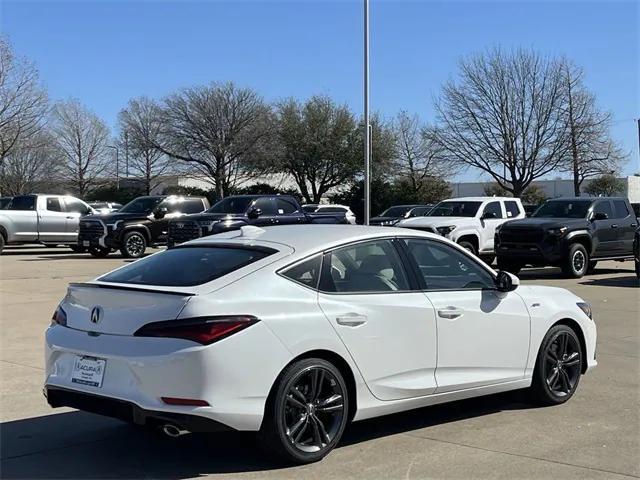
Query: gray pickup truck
[(42, 218)]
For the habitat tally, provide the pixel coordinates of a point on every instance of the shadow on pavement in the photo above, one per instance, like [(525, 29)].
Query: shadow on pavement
[(82, 445), (553, 273), (626, 281)]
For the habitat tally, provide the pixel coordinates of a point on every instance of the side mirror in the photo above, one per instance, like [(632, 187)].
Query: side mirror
[(506, 282), (160, 213), (599, 216), (488, 215), (254, 213)]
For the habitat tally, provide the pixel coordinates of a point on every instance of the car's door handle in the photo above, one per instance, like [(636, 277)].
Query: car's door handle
[(70, 218), (615, 225), (351, 320), (450, 313)]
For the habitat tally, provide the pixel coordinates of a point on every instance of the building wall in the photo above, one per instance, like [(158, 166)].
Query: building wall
[(552, 188)]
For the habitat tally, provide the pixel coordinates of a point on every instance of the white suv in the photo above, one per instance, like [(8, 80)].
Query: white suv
[(470, 221)]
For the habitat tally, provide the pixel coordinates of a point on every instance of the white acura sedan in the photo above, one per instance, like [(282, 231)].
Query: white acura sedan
[(294, 331)]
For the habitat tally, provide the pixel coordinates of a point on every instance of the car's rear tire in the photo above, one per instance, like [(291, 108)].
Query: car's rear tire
[(558, 367), (577, 262), (134, 244), (467, 245), (306, 412), (99, 252), (509, 266)]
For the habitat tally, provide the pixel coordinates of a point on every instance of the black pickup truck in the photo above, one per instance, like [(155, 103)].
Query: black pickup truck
[(140, 223), (234, 212), (571, 233)]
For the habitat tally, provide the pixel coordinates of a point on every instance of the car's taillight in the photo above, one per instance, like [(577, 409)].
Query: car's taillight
[(204, 330), (59, 317)]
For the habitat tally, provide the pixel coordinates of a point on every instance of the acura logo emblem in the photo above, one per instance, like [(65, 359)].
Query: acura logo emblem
[(96, 314)]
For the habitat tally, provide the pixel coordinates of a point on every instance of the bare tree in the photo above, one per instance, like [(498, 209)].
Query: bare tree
[(504, 117), (141, 130), (319, 141), (23, 102), (31, 165), (81, 139), (418, 154), (224, 131), (592, 151)]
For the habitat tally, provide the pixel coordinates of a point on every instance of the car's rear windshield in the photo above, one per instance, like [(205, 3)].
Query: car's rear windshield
[(187, 266), (563, 209), (231, 205), (455, 209)]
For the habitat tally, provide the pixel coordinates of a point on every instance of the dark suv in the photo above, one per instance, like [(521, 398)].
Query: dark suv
[(571, 233), (140, 223)]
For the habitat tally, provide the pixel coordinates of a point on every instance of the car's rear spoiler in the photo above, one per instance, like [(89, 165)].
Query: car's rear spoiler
[(131, 288)]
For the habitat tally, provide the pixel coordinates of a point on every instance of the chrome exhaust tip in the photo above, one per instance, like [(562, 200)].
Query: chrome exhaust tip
[(173, 430)]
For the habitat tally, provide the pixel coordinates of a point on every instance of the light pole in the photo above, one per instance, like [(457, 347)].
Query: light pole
[(367, 134), (117, 166)]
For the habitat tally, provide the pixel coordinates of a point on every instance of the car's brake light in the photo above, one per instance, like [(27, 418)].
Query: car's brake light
[(59, 317), (204, 330)]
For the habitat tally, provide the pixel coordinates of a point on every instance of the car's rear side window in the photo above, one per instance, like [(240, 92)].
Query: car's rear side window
[(307, 272), (512, 208), (621, 210), (187, 266), (25, 202)]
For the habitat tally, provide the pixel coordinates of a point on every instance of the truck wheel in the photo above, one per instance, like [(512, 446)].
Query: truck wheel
[(133, 245), (1, 242), (509, 266), (99, 252), (77, 248), (577, 262), (468, 246)]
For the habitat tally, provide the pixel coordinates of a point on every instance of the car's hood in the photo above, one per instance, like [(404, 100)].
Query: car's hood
[(378, 220), (434, 221), (542, 293), (115, 216), (212, 216), (545, 223)]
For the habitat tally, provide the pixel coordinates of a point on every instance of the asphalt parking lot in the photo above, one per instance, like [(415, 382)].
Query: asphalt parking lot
[(595, 435)]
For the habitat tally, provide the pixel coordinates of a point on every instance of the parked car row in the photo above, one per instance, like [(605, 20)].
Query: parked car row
[(570, 233)]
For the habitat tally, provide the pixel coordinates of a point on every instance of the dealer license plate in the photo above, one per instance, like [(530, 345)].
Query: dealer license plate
[(88, 370)]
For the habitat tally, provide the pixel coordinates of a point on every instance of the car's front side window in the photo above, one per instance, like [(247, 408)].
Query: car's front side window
[(364, 267), (492, 210), (443, 267)]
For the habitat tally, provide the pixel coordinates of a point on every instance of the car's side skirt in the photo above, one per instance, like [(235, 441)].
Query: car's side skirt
[(370, 408)]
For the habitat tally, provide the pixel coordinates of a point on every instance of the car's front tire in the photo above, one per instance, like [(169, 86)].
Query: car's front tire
[(99, 252), (307, 411), (577, 262), (558, 367), (134, 245)]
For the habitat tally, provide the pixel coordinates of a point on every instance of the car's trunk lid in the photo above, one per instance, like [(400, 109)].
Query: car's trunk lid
[(120, 310)]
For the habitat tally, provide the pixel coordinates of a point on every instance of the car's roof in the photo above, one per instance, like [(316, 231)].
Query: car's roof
[(304, 239), (478, 199)]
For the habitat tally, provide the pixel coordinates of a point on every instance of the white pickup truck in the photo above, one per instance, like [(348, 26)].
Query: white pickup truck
[(46, 219), (470, 221)]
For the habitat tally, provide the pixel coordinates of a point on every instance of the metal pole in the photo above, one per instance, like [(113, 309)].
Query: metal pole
[(367, 136)]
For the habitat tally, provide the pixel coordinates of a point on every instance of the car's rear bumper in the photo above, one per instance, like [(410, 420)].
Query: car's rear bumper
[(233, 375), (129, 411)]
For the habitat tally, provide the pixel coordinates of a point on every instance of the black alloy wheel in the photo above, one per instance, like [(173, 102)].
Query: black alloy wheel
[(308, 413), (468, 246), (558, 367), (134, 245)]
